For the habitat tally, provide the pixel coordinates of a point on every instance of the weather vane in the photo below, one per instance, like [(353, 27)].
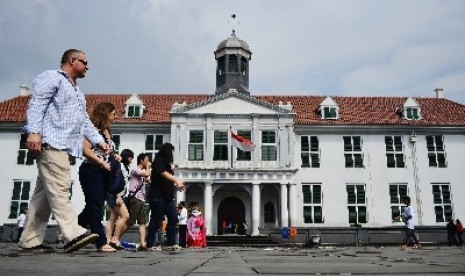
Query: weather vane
[(233, 22)]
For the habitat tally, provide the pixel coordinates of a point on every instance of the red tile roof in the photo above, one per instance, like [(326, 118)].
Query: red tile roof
[(353, 110)]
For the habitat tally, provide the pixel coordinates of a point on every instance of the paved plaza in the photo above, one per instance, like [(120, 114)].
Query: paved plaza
[(430, 260)]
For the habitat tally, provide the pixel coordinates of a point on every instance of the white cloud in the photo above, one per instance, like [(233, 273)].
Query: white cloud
[(353, 47)]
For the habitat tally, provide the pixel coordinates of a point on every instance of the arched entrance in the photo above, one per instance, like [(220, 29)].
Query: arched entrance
[(231, 215)]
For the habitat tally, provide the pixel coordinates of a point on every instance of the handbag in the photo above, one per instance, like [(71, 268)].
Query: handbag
[(115, 181), (127, 200)]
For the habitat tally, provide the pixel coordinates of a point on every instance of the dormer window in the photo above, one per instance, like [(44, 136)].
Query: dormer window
[(329, 109), (134, 111), (411, 110), (412, 113), (134, 107), (329, 113)]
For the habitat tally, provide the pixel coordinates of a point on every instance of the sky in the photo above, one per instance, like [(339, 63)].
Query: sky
[(385, 48)]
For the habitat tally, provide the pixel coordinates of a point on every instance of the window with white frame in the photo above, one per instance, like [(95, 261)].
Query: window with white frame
[(436, 151), (269, 146), (330, 112), (412, 113), (310, 151), (312, 203), (220, 145), (394, 152), (244, 155), (23, 157), (442, 201), (353, 151), (356, 203), (134, 111), (153, 143), (397, 193), (19, 197), (195, 146)]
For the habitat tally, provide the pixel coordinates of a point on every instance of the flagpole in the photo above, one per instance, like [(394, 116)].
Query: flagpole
[(230, 139)]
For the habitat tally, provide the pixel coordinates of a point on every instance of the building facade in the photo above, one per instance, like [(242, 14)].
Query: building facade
[(320, 162)]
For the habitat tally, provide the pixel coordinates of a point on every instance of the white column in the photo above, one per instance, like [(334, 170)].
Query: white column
[(292, 204), (284, 211), (208, 210), (255, 208)]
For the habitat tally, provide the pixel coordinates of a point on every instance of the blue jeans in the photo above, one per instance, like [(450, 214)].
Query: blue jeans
[(159, 207), (93, 186)]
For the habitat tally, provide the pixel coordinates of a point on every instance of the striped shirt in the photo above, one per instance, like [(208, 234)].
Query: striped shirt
[(57, 111)]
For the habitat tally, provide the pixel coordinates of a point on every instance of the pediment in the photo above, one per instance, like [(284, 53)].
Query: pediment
[(230, 103)]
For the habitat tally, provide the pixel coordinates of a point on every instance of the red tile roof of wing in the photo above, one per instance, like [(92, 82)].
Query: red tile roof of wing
[(353, 110)]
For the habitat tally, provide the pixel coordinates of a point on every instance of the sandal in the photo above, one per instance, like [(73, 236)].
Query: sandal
[(116, 245), (106, 248)]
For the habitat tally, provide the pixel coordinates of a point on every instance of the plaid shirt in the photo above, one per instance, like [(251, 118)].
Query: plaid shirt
[(57, 111)]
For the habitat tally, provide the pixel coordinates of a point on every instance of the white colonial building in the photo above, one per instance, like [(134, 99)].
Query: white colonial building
[(321, 164)]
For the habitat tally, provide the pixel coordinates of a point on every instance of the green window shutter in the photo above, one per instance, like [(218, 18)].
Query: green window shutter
[(315, 160), (305, 159), (432, 160), (149, 142), (304, 144), (351, 194), (21, 157), (316, 194), (360, 194), (395, 212), (430, 143), (398, 143), (389, 143), (439, 213), (446, 194), (358, 160), (394, 195), (307, 194), (357, 143), (391, 162), (400, 160), (318, 211), (308, 214), (362, 214), (347, 143), (352, 214), (448, 212), (349, 161)]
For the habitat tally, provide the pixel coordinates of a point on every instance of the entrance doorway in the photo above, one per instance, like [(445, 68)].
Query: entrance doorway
[(231, 216)]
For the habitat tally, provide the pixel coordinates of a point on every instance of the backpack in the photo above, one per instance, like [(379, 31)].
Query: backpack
[(115, 181)]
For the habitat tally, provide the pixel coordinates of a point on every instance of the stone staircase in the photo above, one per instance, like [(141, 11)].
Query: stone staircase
[(240, 241)]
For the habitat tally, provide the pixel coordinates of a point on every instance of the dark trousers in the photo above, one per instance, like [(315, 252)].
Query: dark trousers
[(93, 186), (159, 207), (410, 237), (182, 235), (20, 232)]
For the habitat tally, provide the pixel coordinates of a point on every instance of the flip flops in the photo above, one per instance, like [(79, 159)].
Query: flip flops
[(116, 245)]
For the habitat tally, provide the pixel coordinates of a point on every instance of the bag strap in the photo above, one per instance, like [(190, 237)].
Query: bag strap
[(138, 189)]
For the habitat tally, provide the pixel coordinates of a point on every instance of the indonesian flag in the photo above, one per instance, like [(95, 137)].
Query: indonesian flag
[(242, 142)]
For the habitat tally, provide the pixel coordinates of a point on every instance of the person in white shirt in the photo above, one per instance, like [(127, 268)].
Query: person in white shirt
[(409, 218), (182, 223), (20, 223)]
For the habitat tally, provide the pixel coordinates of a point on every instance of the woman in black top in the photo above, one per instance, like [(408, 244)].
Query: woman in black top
[(162, 196)]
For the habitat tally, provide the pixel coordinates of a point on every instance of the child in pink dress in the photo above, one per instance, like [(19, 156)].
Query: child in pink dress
[(196, 232)]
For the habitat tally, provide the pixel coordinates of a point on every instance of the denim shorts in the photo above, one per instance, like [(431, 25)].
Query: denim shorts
[(111, 200)]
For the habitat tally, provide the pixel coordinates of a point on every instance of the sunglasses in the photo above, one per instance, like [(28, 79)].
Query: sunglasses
[(83, 61)]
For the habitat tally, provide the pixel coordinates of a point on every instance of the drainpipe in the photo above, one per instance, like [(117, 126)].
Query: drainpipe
[(416, 178)]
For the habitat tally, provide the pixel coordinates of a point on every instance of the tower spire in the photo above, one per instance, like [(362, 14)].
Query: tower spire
[(234, 22)]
